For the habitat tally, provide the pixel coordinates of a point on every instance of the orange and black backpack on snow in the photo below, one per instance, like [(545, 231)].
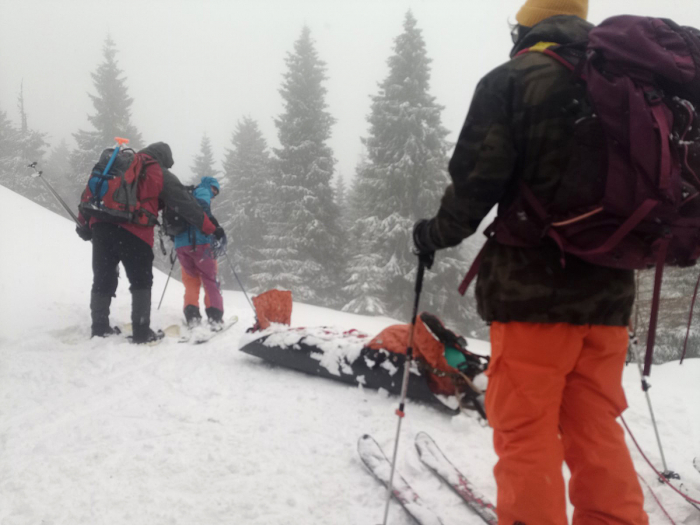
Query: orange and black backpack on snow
[(112, 191)]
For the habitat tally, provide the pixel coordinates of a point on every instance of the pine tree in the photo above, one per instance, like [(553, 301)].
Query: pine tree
[(57, 170), (204, 162), (340, 194), (307, 237), (31, 145), (400, 181), (9, 147), (245, 207), (19, 147), (112, 116)]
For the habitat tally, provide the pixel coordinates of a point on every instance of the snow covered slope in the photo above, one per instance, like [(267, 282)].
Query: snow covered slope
[(103, 432)]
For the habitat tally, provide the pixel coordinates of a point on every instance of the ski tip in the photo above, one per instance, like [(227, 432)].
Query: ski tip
[(423, 437), (365, 442)]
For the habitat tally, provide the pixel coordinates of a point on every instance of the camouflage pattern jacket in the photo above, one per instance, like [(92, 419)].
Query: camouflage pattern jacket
[(519, 128)]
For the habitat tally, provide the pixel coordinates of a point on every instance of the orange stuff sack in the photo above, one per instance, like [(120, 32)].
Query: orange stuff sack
[(425, 346), (273, 306)]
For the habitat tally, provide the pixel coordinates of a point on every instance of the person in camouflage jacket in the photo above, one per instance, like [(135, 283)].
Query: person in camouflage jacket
[(558, 333)]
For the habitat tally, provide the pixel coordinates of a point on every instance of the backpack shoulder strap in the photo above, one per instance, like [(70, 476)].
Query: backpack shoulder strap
[(550, 49)]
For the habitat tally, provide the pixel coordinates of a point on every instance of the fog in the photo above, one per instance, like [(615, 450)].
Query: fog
[(195, 67)]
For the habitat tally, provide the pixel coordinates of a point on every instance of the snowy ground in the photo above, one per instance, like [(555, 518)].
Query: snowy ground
[(103, 432)]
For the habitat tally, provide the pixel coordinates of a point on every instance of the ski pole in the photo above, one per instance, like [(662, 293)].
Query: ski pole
[(240, 284), (668, 474), (404, 383), (38, 174), (172, 265)]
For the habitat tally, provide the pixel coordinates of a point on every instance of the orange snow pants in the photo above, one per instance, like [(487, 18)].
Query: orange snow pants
[(554, 393), (192, 285)]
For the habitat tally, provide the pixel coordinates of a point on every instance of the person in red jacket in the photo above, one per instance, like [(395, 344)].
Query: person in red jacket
[(132, 245)]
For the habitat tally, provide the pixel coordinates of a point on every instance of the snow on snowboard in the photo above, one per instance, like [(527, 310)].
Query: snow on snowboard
[(431, 455), (202, 334)]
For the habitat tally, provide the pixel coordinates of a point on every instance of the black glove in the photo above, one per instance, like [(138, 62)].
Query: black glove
[(219, 233), (84, 232), (423, 246)]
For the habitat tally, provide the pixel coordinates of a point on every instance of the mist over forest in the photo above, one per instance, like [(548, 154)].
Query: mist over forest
[(324, 166)]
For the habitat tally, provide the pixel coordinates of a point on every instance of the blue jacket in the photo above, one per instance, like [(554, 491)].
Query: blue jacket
[(203, 193)]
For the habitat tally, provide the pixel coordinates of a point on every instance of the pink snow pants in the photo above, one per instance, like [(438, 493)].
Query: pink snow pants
[(199, 265)]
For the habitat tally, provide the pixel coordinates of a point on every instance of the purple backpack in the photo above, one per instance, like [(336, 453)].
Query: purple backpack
[(630, 198)]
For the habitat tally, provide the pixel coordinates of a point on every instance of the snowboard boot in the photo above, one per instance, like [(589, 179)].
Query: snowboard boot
[(99, 311), (192, 316), (141, 317), (216, 318)]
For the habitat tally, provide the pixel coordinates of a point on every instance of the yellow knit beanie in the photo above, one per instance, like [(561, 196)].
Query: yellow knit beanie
[(534, 11)]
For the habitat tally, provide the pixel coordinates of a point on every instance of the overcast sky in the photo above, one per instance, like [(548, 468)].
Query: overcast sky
[(196, 66)]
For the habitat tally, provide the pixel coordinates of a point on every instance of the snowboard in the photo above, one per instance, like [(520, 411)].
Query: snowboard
[(203, 333), (79, 335)]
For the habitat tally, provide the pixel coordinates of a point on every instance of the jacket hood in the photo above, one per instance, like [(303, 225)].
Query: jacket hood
[(561, 29), (209, 183), (161, 152)]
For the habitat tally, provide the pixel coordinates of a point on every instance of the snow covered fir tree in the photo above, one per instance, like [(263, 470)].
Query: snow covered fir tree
[(204, 161), (56, 170), (19, 147), (400, 181), (112, 118), (291, 220), (246, 205), (307, 256)]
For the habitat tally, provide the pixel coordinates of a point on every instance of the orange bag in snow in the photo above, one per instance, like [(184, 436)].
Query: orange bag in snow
[(273, 306)]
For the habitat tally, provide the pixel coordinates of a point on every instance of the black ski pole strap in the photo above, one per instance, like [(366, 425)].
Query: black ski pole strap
[(690, 319), (162, 242), (656, 298)]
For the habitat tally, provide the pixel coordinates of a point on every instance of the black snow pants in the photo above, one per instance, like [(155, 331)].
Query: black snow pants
[(110, 246)]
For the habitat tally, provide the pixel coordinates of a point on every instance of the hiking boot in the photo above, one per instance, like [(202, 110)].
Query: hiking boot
[(192, 316), (216, 318), (141, 308), (99, 312), (144, 335)]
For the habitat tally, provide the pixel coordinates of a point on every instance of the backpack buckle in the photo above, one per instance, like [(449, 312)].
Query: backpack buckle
[(653, 95)]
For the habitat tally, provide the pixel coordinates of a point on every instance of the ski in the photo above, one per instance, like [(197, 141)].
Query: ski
[(202, 334), (431, 455), (378, 464)]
